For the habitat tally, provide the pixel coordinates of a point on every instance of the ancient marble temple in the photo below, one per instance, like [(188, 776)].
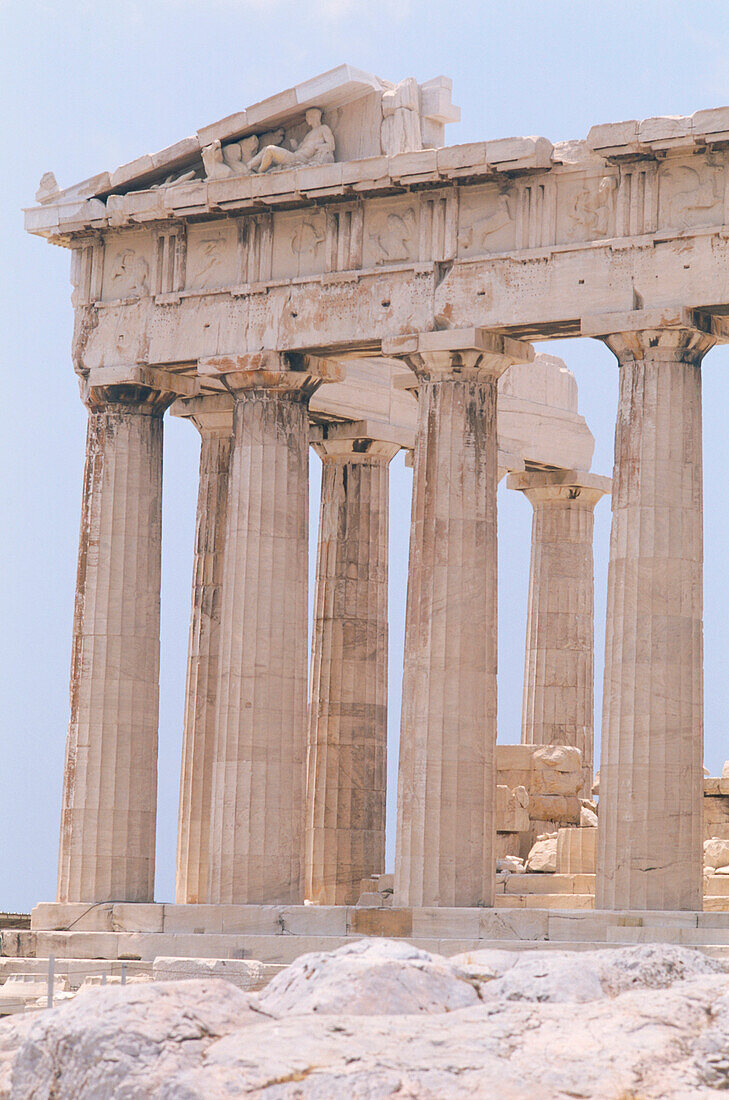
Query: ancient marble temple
[(321, 270)]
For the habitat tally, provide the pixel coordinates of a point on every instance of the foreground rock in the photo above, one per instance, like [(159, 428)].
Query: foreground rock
[(367, 978), (653, 1021)]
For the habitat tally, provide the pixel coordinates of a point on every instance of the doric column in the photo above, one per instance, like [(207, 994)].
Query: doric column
[(110, 780), (559, 661), (651, 776), (213, 417), (447, 785), (257, 824), (347, 749)]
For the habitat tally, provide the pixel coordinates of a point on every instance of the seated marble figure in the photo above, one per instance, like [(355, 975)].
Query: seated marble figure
[(267, 153)]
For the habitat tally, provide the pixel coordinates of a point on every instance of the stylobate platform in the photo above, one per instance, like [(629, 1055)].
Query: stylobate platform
[(279, 934)]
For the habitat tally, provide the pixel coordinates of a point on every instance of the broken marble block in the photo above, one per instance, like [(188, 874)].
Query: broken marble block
[(576, 851), (512, 809), (555, 807), (512, 865), (542, 859), (716, 853), (556, 770)]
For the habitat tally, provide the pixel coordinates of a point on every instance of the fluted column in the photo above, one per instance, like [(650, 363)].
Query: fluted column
[(651, 776), (558, 700), (347, 747), (257, 824), (446, 786), (213, 417), (110, 780)]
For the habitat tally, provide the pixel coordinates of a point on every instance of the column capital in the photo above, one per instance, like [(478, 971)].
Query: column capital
[(574, 486), (470, 354), (283, 372), (211, 413), (671, 334), (137, 387), (360, 440)]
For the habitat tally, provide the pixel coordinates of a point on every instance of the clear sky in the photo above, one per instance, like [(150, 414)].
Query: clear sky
[(91, 84)]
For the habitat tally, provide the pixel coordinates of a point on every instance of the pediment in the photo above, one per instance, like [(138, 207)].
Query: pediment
[(359, 115)]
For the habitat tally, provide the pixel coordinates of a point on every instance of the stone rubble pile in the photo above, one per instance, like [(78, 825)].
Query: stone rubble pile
[(379, 1019)]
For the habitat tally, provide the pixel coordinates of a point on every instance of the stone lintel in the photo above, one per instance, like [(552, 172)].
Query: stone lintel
[(672, 318), (139, 374)]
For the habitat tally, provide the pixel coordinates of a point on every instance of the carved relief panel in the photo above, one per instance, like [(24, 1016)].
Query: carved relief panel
[(128, 262), (255, 235), (691, 192), (486, 220), (586, 208), (299, 244), (87, 269), (212, 256), (170, 260), (391, 231), (344, 237), (438, 225)]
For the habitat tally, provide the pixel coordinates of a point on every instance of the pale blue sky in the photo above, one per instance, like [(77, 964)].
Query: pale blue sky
[(90, 84)]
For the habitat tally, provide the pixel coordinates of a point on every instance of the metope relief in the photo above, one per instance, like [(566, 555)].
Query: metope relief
[(299, 244), (486, 220), (691, 194), (212, 256), (588, 209), (127, 266), (391, 232)]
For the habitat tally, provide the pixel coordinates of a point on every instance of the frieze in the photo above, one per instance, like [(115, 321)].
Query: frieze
[(568, 206)]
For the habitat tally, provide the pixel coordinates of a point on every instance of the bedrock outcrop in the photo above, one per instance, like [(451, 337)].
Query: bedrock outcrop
[(379, 1019)]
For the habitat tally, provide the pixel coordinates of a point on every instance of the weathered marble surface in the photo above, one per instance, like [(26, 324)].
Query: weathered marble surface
[(646, 1021)]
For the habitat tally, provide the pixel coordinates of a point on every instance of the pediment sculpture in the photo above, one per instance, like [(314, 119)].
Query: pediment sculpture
[(271, 152)]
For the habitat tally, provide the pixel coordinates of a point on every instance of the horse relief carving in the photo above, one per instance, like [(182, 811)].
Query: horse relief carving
[(593, 210), (394, 240), (306, 239), (129, 275), (690, 197), (476, 235)]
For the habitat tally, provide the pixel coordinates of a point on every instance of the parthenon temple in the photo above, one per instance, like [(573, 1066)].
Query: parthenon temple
[(321, 270)]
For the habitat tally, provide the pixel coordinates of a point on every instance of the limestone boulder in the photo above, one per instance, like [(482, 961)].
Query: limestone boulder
[(716, 853), (512, 809), (588, 818), (362, 977), (125, 1040), (246, 974), (569, 976), (649, 1021), (542, 859), (510, 865)]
